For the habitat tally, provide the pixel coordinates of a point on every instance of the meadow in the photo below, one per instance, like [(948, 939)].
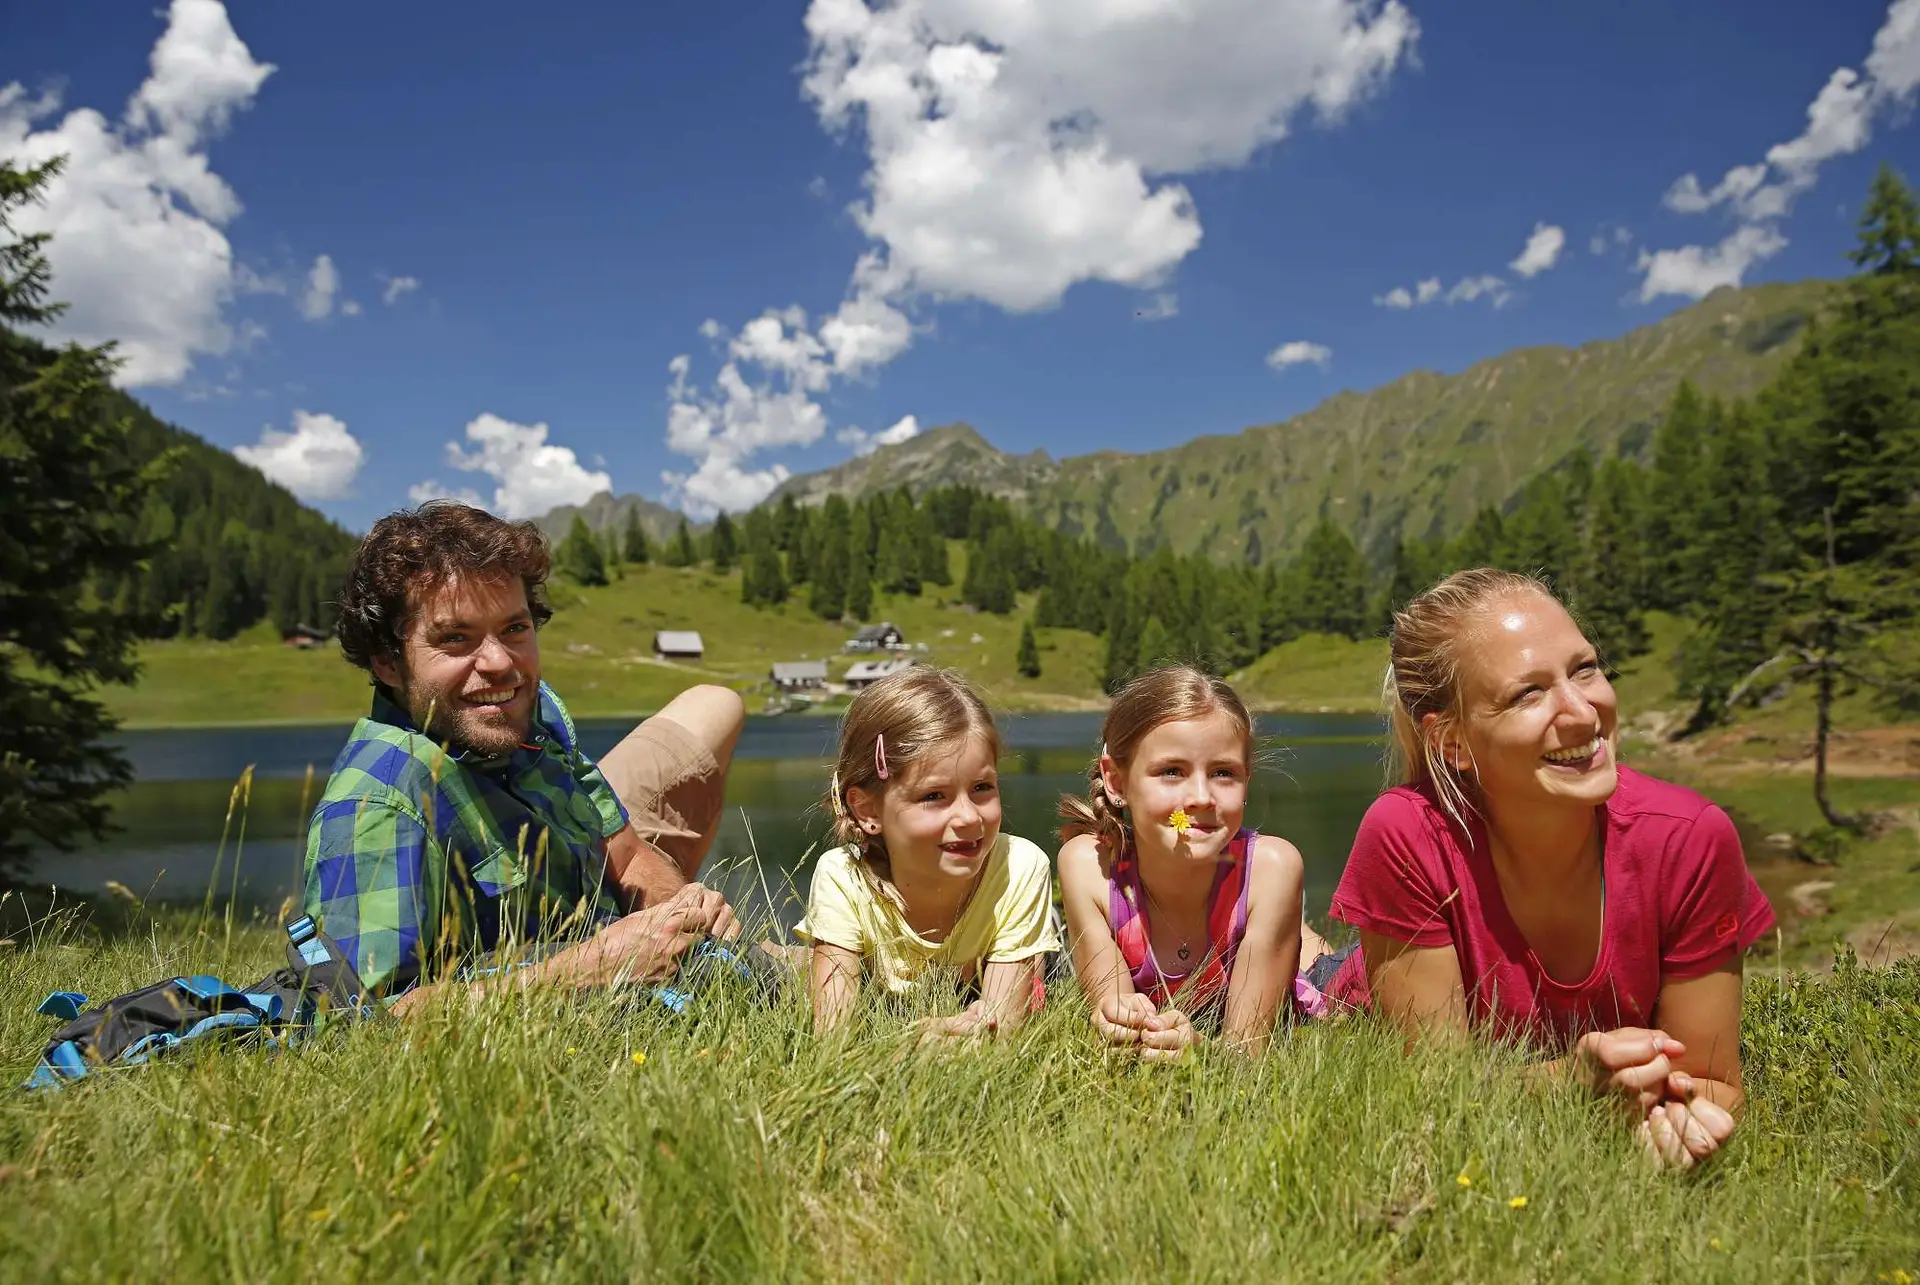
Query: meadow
[(536, 1136)]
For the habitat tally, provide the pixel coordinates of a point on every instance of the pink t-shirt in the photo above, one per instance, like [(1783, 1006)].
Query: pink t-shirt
[(1679, 902)]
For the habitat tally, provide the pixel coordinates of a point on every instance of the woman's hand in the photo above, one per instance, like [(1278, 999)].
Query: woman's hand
[(970, 1023), (1632, 1062), (1685, 1130), (1167, 1036)]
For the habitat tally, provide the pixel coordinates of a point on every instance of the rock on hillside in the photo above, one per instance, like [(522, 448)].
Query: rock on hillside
[(946, 456)]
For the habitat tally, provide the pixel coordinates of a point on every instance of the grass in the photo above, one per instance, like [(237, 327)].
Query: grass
[(538, 1137), (598, 653), (1317, 674)]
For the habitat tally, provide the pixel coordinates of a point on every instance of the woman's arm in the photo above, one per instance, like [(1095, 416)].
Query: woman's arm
[(833, 984), (1417, 988), (1269, 954), (1119, 1015)]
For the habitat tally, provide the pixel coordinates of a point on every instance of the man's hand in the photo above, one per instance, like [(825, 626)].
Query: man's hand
[(1632, 1062), (646, 945), (1123, 1019)]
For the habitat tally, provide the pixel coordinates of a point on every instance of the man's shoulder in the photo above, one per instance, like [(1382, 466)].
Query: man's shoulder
[(383, 760)]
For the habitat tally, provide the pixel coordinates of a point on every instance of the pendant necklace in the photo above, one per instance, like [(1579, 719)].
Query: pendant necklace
[(1184, 951)]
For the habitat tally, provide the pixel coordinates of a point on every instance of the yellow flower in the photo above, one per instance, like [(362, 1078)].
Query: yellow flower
[(1518, 1202), (1898, 1276), (1463, 1179), (701, 1052), (1713, 1242), (1180, 821), (319, 1215), (639, 1059), (571, 1050)]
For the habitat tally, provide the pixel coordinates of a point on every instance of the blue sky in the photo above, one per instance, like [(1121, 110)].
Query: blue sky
[(556, 200)]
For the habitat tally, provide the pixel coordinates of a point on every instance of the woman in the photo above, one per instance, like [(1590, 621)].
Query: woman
[(1520, 882)]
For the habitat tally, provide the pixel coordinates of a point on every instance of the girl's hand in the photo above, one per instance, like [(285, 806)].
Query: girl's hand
[(970, 1023), (1632, 1062), (1167, 1036), (1681, 1133), (1123, 1019)]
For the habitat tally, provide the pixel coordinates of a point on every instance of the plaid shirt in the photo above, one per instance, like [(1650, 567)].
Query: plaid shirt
[(420, 857)]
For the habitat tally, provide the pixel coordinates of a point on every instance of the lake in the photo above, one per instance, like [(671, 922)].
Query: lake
[(1318, 774)]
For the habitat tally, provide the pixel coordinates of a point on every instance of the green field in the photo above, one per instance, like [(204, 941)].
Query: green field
[(540, 1137)]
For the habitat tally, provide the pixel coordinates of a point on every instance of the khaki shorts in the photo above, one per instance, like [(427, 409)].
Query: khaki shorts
[(672, 787)]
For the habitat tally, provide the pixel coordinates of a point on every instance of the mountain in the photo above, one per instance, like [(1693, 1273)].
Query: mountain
[(607, 512), (1418, 455)]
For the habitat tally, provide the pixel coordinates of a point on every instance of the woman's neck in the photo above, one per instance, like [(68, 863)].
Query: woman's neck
[(1544, 845)]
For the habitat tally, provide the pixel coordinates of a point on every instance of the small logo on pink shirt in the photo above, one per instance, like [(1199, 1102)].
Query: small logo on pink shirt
[(1726, 925)]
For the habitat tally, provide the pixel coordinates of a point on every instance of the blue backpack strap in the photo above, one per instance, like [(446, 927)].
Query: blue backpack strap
[(65, 1005)]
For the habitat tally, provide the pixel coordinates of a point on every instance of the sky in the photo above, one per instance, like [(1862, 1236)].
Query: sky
[(521, 255)]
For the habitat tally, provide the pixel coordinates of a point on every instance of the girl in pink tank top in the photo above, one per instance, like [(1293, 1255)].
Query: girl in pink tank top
[(1181, 920)]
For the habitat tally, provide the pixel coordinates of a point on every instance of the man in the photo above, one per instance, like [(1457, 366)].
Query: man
[(462, 818)]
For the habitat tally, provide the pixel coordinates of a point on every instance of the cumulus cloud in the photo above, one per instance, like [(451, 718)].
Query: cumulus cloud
[(1758, 195), (434, 489), (138, 250), (1013, 152), (318, 460), (1542, 250), (531, 475), (323, 283), (865, 443), (1299, 352), (397, 288)]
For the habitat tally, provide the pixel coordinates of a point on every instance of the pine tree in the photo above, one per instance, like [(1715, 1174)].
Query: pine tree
[(898, 564), (762, 582), (71, 491), (681, 552), (989, 582), (1542, 535), (1156, 644), (828, 598), (1330, 583), (1479, 545), (1415, 569), (633, 543), (579, 555), (1609, 574), (804, 532), (1889, 228), (860, 563), (931, 545), (1674, 498), (1028, 659), (723, 544)]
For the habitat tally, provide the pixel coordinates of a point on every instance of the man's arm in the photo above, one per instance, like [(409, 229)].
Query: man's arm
[(643, 875), (370, 885)]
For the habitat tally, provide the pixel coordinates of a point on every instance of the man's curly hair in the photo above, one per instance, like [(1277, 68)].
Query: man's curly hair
[(412, 554)]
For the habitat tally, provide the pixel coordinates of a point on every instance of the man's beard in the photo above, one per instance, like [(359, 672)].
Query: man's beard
[(462, 728)]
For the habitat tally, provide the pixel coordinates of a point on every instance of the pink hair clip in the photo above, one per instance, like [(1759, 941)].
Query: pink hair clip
[(880, 757)]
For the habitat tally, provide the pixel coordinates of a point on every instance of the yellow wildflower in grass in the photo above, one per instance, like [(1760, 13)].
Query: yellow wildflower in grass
[(1518, 1202), (1898, 1276), (639, 1059), (1180, 821), (1463, 1179), (1713, 1242), (571, 1050)]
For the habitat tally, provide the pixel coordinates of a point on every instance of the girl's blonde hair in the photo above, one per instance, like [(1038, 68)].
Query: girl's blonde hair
[(1168, 694), (918, 712), (1429, 643)]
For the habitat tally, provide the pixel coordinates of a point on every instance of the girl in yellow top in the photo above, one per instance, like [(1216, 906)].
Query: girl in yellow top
[(925, 879)]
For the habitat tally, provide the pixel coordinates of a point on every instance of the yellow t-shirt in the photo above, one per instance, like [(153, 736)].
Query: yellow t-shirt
[(1010, 917)]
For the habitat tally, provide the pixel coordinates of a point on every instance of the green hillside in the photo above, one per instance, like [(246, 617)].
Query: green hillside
[(597, 653), (1416, 456)]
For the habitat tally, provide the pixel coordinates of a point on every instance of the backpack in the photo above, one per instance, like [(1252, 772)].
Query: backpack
[(284, 1006)]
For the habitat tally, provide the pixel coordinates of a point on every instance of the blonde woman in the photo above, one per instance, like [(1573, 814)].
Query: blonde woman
[(1521, 881)]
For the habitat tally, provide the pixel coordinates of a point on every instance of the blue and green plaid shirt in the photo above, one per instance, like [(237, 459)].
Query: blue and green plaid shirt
[(420, 858)]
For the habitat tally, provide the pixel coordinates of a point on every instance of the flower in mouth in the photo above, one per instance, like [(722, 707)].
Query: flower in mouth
[(1180, 821)]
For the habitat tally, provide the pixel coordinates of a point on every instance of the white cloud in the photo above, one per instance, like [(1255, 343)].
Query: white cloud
[(397, 288), (318, 460), (531, 475), (1465, 290), (350, 308), (1607, 238), (1014, 151), (434, 489), (1164, 306), (1693, 271), (1542, 250), (1299, 352), (323, 282), (865, 443), (1759, 195), (138, 252)]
